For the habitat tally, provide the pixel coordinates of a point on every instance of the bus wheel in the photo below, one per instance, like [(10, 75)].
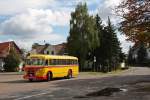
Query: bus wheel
[(49, 76), (69, 74)]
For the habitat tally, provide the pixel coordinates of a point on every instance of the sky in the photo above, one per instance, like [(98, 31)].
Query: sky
[(47, 21)]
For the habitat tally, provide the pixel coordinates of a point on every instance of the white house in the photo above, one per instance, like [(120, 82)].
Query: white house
[(59, 49)]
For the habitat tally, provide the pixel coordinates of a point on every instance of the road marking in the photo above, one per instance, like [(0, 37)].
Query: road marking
[(26, 97)]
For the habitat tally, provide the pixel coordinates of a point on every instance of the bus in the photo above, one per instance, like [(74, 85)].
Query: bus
[(47, 67)]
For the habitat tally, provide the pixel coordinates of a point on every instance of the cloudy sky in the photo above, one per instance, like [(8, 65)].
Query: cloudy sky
[(30, 21)]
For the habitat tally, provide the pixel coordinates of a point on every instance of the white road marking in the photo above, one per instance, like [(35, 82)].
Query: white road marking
[(29, 96)]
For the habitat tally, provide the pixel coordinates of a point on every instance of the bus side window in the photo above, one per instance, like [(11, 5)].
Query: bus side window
[(63, 62), (72, 62), (57, 61), (50, 62), (68, 62), (54, 61), (75, 62), (60, 62)]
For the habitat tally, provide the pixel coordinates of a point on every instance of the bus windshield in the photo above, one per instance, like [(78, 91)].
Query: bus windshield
[(35, 61)]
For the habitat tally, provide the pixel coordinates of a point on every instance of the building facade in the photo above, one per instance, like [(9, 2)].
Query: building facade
[(59, 49), (5, 48)]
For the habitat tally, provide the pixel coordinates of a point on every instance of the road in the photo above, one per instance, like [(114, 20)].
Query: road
[(132, 84)]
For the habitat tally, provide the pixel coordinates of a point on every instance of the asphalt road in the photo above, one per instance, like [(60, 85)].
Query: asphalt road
[(132, 84)]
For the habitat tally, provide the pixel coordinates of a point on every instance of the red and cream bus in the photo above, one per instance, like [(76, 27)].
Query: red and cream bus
[(46, 67)]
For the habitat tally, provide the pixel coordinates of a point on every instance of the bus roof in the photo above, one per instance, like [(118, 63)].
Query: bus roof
[(52, 56)]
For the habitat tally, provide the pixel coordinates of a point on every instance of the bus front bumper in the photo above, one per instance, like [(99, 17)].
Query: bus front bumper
[(35, 77)]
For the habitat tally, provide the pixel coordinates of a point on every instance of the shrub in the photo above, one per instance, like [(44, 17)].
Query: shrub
[(12, 61)]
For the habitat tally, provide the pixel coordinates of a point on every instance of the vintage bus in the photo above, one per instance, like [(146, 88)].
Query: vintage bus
[(47, 67)]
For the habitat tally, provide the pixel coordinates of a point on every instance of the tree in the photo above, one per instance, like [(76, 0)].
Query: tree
[(142, 55), (113, 46), (98, 51), (12, 61), (109, 53), (130, 60), (83, 37), (136, 20)]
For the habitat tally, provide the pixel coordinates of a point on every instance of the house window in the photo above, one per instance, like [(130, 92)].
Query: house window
[(52, 52), (47, 52)]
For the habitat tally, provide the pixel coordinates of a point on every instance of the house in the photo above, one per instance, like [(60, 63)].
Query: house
[(49, 49), (5, 50)]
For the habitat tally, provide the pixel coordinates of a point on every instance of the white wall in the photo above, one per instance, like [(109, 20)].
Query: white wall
[(49, 49)]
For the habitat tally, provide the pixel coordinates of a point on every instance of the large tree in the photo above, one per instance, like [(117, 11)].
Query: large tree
[(108, 54), (130, 60), (142, 54), (113, 46), (99, 51), (83, 37), (135, 19)]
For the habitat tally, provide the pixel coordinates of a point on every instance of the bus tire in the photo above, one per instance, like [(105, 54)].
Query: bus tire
[(49, 76), (69, 75)]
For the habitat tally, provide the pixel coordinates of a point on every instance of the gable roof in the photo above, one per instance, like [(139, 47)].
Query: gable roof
[(59, 48), (5, 47), (40, 48)]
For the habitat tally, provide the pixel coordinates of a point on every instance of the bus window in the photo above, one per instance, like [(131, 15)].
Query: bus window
[(72, 62), (54, 62), (35, 62), (61, 62)]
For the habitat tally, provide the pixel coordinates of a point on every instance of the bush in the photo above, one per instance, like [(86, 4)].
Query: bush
[(12, 61)]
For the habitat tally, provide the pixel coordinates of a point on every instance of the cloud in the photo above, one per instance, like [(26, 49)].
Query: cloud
[(34, 21), (124, 43), (35, 26), (11, 7), (107, 8)]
